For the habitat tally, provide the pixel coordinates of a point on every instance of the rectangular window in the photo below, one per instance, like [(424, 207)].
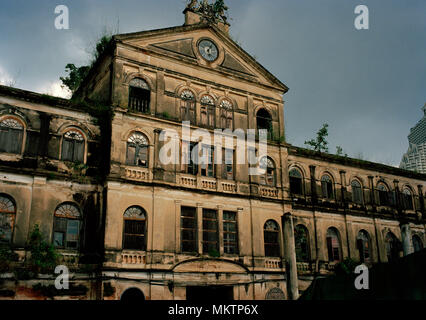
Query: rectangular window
[(210, 232), (230, 232), (134, 235), (207, 167), (189, 229), (72, 233), (139, 99), (190, 157), (228, 164)]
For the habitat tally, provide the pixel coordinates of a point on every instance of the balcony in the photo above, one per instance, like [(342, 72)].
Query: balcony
[(273, 263), (137, 174)]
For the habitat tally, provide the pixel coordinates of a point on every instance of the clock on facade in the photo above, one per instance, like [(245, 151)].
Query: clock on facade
[(208, 50)]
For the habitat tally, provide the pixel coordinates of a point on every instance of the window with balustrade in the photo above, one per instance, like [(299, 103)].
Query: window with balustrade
[(301, 240), (137, 150), (139, 96), (271, 236), (11, 135), (67, 223), (268, 177), (134, 229)]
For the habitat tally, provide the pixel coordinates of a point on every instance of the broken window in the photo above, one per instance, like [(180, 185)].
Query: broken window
[(139, 96), (363, 244), (264, 122), (66, 226), (268, 178), (73, 146), (296, 182), (271, 232), (7, 218), (301, 239), (333, 245), (134, 229), (137, 150), (407, 200), (11, 135)]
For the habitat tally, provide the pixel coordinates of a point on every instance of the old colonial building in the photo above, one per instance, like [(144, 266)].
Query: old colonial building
[(95, 183)]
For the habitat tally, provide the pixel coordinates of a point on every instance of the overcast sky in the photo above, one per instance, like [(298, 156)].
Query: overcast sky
[(368, 85)]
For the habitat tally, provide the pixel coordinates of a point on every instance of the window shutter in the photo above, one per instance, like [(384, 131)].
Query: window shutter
[(131, 154), (67, 151), (78, 151)]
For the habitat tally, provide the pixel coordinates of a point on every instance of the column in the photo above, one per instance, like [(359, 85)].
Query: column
[(343, 186), (372, 195), (200, 227), (220, 227), (407, 246), (290, 257), (313, 185)]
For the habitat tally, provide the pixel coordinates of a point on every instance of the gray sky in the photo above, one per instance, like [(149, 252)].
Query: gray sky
[(368, 85)]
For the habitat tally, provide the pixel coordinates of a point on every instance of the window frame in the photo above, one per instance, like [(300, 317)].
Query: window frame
[(73, 141), (236, 241), (292, 178), (22, 131), (139, 87), (9, 214), (307, 249), (215, 232), (361, 192), (137, 150), (226, 114), (333, 251), (69, 216), (194, 229), (271, 247), (327, 187), (267, 120), (188, 102), (140, 219)]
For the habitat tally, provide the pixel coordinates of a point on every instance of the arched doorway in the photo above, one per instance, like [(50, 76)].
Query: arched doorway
[(132, 295)]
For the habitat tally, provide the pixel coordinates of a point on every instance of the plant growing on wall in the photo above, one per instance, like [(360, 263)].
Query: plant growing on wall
[(43, 257), (320, 143)]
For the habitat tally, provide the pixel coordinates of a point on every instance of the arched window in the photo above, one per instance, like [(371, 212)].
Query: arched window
[(73, 146), (271, 232), (11, 135), (187, 106), (384, 196), (296, 182), (66, 226), (134, 229), (137, 150), (327, 187), (268, 178), (264, 121), (333, 245), (139, 95), (207, 111), (7, 218), (364, 246), (407, 199), (227, 115), (392, 246), (356, 192), (301, 239), (417, 243)]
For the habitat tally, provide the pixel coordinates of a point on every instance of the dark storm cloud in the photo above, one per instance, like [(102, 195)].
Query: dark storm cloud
[(368, 85)]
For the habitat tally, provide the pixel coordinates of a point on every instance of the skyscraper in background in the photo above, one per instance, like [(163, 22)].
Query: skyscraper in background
[(415, 158)]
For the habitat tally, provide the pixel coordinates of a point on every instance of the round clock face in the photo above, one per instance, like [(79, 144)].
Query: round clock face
[(208, 50)]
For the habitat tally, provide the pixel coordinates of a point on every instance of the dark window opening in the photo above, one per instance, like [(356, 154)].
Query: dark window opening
[(301, 243), (271, 239), (139, 96), (264, 122)]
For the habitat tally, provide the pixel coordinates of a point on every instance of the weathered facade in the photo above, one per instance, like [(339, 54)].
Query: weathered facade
[(100, 192)]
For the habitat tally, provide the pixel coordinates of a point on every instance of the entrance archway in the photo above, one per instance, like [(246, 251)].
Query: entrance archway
[(132, 295)]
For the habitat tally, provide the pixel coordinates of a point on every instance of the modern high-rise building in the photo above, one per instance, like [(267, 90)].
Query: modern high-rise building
[(415, 158)]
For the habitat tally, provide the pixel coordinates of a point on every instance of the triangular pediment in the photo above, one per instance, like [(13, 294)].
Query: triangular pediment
[(181, 43)]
